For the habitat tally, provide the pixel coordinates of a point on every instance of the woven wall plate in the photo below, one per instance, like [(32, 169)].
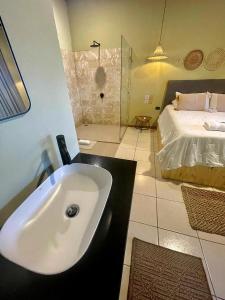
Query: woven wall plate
[(215, 59), (193, 59)]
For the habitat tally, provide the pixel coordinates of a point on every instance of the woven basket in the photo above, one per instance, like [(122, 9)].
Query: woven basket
[(193, 60), (215, 59)]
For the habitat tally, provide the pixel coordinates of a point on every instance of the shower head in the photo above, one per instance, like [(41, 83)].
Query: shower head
[(95, 44)]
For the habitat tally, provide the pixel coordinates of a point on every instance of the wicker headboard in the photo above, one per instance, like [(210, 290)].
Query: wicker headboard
[(192, 86)]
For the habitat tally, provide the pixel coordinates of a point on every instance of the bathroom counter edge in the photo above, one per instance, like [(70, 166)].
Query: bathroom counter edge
[(98, 274)]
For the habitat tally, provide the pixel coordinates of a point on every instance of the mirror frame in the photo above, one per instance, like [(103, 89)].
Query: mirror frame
[(13, 55)]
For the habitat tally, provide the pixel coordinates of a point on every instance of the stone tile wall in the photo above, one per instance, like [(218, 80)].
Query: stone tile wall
[(71, 78), (99, 75)]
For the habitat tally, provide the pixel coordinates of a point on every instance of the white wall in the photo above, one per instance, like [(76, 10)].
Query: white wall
[(62, 24), (65, 42), (189, 25), (32, 33)]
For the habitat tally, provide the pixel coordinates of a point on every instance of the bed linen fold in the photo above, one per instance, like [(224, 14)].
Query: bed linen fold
[(187, 143)]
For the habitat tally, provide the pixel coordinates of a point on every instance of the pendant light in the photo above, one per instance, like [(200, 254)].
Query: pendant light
[(159, 53)]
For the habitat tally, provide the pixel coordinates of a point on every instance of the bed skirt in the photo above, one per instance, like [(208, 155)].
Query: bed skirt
[(208, 176)]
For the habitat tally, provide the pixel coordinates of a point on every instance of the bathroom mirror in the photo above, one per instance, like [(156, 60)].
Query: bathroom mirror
[(14, 99)]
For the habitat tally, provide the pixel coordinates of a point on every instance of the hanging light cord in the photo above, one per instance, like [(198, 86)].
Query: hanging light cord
[(162, 23)]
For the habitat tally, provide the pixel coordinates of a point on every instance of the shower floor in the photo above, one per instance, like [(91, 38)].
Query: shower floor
[(100, 132)]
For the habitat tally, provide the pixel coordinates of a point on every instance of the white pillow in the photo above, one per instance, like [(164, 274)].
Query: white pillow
[(217, 102), (192, 101), (174, 102), (177, 95)]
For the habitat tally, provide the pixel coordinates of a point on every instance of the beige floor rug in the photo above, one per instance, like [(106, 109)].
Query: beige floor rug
[(206, 209), (162, 274)]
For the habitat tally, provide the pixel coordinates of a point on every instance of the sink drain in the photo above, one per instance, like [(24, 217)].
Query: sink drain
[(72, 210)]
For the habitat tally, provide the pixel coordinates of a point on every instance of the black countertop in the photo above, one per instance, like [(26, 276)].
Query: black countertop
[(97, 275)]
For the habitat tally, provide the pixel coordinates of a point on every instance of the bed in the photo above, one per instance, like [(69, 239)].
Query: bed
[(188, 152)]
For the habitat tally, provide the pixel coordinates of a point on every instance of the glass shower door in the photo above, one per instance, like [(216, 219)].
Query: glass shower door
[(126, 59)]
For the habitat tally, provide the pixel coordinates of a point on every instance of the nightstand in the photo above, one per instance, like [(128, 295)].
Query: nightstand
[(142, 122)]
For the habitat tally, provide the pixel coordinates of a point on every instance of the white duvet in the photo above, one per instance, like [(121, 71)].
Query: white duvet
[(187, 143)]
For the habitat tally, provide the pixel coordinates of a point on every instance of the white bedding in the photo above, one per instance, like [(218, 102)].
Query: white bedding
[(187, 143)]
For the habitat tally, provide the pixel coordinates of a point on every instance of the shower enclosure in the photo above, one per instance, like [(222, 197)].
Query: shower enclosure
[(99, 90), (126, 60)]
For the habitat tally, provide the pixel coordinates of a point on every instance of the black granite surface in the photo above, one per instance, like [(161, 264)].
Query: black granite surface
[(97, 275)]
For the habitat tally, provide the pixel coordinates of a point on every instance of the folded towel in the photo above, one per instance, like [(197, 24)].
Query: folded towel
[(214, 125), (84, 142)]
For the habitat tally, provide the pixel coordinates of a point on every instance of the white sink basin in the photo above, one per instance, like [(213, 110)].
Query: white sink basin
[(40, 236)]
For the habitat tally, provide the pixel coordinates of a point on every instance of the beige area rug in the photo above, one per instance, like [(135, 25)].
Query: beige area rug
[(162, 274), (206, 209)]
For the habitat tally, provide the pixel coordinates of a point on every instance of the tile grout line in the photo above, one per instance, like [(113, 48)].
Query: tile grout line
[(152, 196), (157, 215), (210, 241), (170, 200), (144, 194), (166, 229), (135, 148), (126, 265), (197, 238), (157, 221), (178, 232), (210, 277)]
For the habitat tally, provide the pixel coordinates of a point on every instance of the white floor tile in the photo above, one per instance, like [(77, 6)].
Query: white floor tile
[(101, 148), (145, 133), (145, 168), (157, 168), (215, 259), (156, 147), (144, 155), (145, 185), (141, 231), (124, 283), (180, 242), (144, 210), (129, 142), (173, 216), (144, 139), (130, 133), (132, 130), (130, 139), (156, 142), (185, 244), (211, 237), (127, 145), (170, 190), (125, 153), (147, 146), (99, 132)]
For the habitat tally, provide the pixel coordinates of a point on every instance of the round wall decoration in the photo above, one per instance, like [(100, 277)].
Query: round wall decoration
[(215, 59), (193, 59)]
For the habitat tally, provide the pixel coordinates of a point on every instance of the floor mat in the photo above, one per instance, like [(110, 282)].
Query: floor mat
[(163, 274), (206, 209)]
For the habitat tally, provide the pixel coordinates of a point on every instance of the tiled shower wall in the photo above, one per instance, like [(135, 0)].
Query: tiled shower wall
[(71, 78), (87, 76), (99, 75)]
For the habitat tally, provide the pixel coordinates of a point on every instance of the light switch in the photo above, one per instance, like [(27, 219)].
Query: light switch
[(146, 99)]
